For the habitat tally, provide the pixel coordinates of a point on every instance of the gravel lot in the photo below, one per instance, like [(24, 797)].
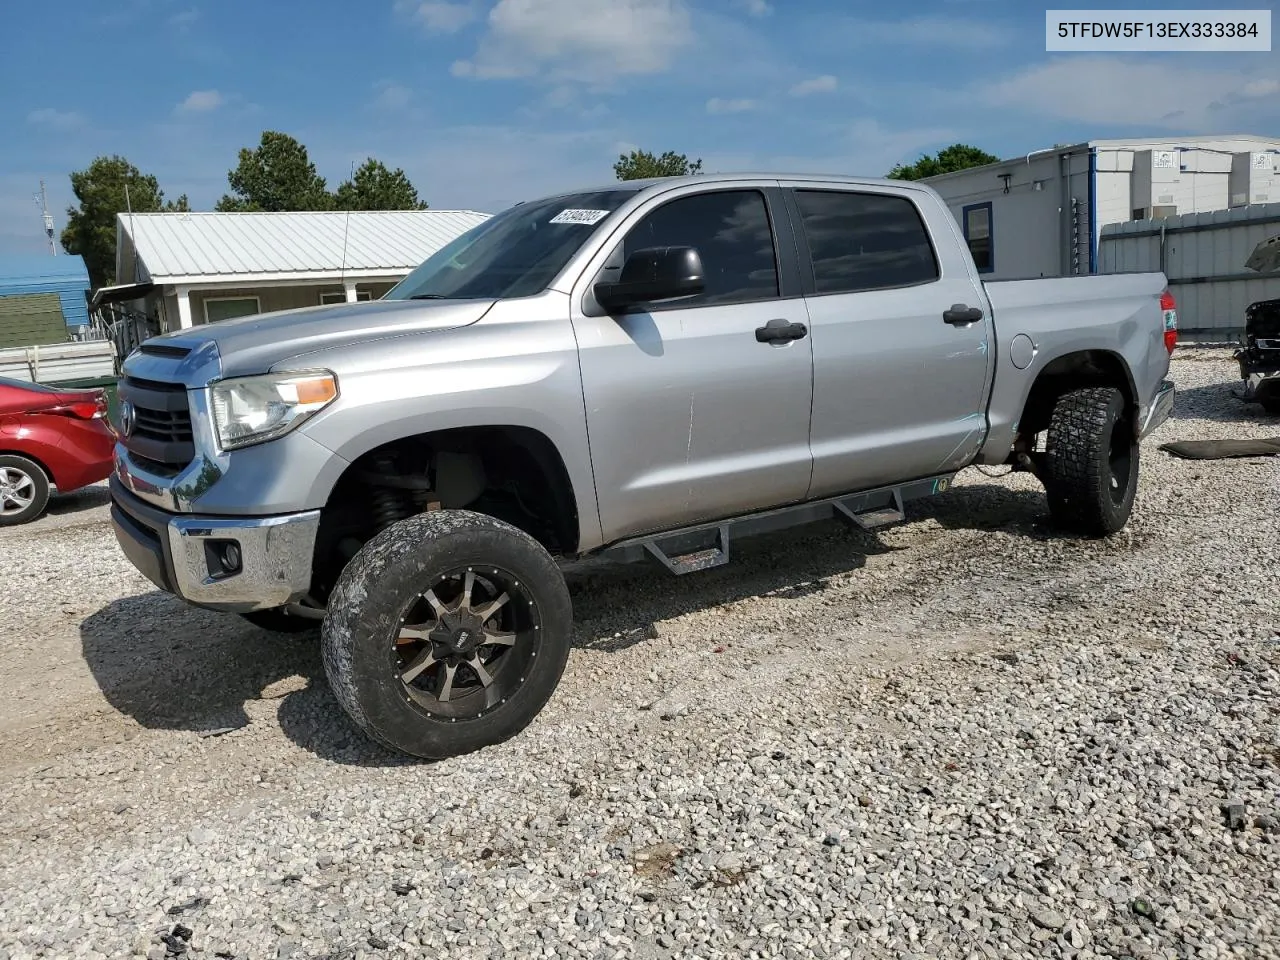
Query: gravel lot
[(961, 737)]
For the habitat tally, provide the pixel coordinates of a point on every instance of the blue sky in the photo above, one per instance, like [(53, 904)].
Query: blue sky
[(485, 102)]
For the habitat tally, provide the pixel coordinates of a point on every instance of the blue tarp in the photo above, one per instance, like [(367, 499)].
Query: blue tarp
[(64, 275)]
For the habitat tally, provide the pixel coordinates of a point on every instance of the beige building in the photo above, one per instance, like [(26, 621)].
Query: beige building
[(1042, 215), (188, 269)]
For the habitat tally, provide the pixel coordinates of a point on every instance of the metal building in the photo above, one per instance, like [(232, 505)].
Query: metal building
[(192, 268), (1042, 215), (1209, 259), (42, 299)]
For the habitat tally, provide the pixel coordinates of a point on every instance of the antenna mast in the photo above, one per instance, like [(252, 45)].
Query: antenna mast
[(43, 200), (346, 227)]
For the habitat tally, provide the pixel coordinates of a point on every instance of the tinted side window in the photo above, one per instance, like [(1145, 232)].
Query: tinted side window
[(731, 230), (865, 241)]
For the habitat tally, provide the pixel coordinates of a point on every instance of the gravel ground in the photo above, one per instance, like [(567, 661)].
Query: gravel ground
[(964, 736)]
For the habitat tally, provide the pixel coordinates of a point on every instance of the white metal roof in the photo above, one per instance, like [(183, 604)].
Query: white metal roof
[(236, 246)]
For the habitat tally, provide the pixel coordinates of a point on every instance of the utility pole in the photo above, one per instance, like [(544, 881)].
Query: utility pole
[(43, 200)]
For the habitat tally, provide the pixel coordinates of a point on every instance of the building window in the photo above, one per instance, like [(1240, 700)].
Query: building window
[(228, 308), (980, 237), (341, 296), (865, 241)]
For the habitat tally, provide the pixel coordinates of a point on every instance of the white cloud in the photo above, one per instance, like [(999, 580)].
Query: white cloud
[(201, 101), (823, 84), (968, 34), (1137, 93), (758, 8), (56, 119), (440, 16), (585, 40), (393, 97), (717, 105)]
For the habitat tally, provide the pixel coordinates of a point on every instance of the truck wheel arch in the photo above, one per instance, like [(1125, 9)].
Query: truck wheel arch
[(510, 453), (1072, 371)]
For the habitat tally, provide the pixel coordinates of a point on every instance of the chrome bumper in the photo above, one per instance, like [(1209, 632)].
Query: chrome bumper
[(186, 555), (1160, 408)]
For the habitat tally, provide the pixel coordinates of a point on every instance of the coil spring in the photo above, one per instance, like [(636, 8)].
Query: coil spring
[(389, 504)]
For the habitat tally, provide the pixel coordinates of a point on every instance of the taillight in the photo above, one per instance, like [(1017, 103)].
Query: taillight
[(1170, 310), (81, 410)]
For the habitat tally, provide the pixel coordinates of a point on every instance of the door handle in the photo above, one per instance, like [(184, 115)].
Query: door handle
[(781, 331), (961, 313)]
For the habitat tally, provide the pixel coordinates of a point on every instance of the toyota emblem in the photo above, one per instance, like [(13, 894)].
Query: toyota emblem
[(128, 419)]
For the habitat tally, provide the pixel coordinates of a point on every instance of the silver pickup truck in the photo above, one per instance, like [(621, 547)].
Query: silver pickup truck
[(639, 370)]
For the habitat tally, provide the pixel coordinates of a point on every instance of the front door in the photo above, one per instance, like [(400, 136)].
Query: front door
[(690, 415)]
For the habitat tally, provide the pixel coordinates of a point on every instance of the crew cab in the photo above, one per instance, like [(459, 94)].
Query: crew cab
[(645, 369)]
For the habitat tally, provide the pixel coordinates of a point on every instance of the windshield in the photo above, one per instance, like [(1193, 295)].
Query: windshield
[(514, 254)]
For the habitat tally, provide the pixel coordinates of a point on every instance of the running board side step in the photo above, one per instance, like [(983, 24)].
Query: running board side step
[(706, 546), (857, 513), (716, 554)]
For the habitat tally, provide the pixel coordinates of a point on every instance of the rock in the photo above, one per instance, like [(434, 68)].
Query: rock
[(198, 836), (1048, 919)]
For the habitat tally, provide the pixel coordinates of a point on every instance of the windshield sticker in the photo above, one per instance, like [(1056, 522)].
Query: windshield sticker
[(585, 217)]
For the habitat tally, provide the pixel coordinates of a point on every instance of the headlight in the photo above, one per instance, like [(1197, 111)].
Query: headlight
[(250, 410)]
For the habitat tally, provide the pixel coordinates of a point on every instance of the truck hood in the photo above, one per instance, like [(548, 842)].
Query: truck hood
[(254, 344)]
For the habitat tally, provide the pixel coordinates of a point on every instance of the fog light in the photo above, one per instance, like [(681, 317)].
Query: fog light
[(222, 558)]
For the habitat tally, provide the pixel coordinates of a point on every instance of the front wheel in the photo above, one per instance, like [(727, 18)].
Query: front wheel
[(1091, 462), (447, 632)]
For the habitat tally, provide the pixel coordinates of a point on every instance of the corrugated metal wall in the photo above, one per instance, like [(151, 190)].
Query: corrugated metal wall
[(1203, 255), (31, 318), (65, 276)]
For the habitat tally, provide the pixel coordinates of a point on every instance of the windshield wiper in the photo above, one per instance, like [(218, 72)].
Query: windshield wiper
[(429, 296)]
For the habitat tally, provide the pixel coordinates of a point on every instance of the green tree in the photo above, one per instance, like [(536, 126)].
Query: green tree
[(276, 175), (958, 156), (641, 165), (374, 187), (108, 186)]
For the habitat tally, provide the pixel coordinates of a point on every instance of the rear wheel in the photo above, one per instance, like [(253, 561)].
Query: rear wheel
[(24, 490), (1091, 462), (447, 632)]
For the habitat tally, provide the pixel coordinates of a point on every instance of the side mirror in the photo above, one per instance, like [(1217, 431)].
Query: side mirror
[(655, 273)]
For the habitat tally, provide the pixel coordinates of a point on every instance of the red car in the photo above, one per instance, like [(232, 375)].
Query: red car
[(49, 437)]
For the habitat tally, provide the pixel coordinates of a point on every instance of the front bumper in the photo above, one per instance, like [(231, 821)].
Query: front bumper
[(1160, 409), (186, 555)]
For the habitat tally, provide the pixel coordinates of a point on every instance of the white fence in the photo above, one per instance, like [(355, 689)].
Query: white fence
[(1203, 255), (58, 362)]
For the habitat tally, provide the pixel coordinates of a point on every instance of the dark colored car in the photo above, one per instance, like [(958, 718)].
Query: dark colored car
[(49, 437)]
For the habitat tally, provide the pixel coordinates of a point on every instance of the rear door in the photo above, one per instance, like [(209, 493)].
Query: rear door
[(692, 416), (900, 382)]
